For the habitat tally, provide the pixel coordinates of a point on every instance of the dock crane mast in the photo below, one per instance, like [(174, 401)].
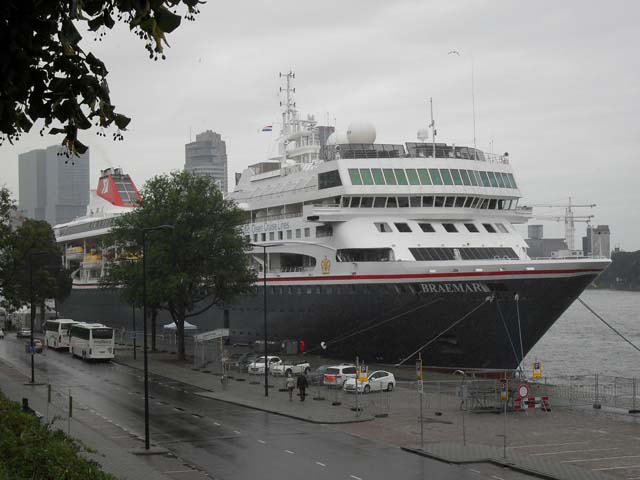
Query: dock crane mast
[(569, 219)]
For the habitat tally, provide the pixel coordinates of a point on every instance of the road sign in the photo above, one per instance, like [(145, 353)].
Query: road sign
[(363, 373), (523, 390)]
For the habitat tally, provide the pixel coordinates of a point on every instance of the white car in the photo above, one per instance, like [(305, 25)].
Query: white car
[(377, 381), (257, 367), (336, 376), (286, 369)]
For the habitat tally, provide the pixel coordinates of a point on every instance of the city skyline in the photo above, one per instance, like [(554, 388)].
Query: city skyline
[(556, 93)]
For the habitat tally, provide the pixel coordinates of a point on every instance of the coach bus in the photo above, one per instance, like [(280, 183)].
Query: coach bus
[(56, 333), (92, 341)]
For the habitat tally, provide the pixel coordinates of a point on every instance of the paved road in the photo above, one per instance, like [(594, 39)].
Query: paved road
[(222, 440)]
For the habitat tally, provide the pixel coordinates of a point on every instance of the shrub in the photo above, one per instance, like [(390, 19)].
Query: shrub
[(30, 450)]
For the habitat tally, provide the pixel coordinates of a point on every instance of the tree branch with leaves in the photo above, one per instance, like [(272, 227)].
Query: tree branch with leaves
[(46, 75)]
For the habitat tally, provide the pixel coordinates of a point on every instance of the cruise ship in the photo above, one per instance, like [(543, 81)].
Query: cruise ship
[(381, 251)]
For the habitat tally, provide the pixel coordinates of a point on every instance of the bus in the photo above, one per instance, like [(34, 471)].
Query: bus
[(92, 341), (56, 333)]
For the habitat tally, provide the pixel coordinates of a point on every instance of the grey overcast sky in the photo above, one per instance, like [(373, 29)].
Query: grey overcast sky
[(557, 85)]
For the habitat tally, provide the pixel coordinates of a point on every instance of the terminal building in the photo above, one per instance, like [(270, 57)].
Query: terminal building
[(52, 186), (208, 156)]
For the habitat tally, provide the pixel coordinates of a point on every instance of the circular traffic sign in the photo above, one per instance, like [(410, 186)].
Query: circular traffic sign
[(523, 390)]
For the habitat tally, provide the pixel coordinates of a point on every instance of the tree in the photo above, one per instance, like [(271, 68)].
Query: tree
[(46, 75), (197, 265), (36, 272), (7, 206)]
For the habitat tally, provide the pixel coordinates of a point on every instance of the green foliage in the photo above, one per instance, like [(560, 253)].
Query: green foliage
[(46, 75), (29, 450), (198, 264), (7, 206), (34, 253)]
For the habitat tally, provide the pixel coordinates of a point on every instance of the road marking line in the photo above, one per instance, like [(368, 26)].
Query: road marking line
[(120, 436), (596, 459), (321, 464), (117, 425), (614, 468), (548, 445), (496, 477), (354, 477), (216, 424), (180, 471), (262, 441), (289, 452), (574, 451), (236, 431), (475, 471)]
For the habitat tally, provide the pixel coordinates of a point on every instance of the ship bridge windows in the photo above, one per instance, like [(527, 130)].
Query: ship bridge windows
[(429, 201), (427, 227), (446, 176), (365, 255), (435, 176), (354, 175), (457, 178), (332, 179), (412, 176), (367, 178), (450, 227), (471, 227), (489, 228), (389, 176)]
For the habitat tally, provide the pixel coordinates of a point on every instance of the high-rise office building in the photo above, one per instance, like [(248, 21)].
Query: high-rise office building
[(52, 186), (208, 156), (600, 241)]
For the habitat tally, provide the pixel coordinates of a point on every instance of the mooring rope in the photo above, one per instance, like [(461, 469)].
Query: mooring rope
[(487, 299), (513, 347), (608, 325), (359, 331)]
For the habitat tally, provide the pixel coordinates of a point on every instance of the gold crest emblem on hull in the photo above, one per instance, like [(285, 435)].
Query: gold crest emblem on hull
[(325, 264)]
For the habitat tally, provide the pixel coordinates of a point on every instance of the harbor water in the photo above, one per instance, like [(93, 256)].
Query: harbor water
[(580, 344)]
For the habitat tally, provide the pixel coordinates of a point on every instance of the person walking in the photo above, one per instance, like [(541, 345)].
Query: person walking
[(291, 384), (302, 385)]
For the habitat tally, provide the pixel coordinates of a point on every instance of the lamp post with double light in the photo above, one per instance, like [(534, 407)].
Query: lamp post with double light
[(30, 256), (144, 323)]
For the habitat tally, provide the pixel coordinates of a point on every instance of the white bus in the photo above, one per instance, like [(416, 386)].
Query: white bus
[(92, 341), (56, 333)]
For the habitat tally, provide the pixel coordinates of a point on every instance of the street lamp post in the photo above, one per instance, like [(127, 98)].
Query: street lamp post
[(144, 323), (32, 312)]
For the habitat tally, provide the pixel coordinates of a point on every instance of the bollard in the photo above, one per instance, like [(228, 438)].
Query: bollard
[(70, 413), (25, 405)]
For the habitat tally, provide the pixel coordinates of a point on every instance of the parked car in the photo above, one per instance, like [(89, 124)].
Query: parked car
[(37, 343), (335, 376), (257, 366), (241, 361), (316, 377), (377, 381), (1, 334), (286, 369), (23, 333)]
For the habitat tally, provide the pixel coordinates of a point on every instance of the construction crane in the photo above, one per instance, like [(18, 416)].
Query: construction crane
[(569, 219)]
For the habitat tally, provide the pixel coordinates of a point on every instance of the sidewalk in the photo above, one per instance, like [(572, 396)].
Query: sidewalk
[(248, 391), (556, 444)]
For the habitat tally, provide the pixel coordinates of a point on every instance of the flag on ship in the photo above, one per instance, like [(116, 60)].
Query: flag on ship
[(267, 128)]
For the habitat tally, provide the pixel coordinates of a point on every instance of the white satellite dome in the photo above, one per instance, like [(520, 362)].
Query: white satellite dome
[(331, 139), (423, 134), (361, 132)]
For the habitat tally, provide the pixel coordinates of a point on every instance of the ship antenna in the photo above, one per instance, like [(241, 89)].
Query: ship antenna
[(289, 110), (433, 128), (473, 106)]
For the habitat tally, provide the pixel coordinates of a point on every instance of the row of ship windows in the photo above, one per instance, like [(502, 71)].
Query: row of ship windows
[(429, 201), (382, 227), (402, 227), (298, 233), (431, 176)]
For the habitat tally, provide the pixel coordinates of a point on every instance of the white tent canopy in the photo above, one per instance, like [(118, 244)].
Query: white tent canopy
[(173, 326)]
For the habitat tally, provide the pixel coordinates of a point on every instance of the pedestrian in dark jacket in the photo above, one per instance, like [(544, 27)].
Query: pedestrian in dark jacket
[(302, 386)]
